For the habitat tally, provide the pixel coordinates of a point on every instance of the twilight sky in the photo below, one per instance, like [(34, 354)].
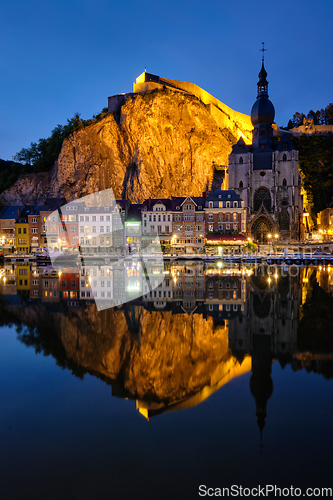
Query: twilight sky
[(62, 57)]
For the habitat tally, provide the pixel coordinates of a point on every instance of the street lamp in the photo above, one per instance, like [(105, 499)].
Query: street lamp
[(269, 236)]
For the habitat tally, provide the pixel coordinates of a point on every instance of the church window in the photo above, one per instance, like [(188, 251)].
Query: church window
[(284, 158), (262, 196), (284, 201), (284, 221), (240, 184), (284, 182), (241, 160)]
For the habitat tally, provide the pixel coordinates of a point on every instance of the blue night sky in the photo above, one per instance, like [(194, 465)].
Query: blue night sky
[(63, 57)]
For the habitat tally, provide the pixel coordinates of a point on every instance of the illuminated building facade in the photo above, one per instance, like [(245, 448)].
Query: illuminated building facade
[(188, 224)]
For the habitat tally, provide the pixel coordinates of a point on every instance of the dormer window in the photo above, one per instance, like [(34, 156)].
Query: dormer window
[(220, 196), (210, 204), (241, 160)]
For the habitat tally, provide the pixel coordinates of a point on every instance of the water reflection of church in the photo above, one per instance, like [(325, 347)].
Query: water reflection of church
[(267, 329)]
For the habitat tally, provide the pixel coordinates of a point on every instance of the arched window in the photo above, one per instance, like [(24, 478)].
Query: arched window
[(284, 201), (284, 158), (240, 184), (262, 195), (284, 182), (241, 160), (284, 221)]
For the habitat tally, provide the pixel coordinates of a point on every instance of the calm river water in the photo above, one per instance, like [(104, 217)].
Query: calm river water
[(222, 377)]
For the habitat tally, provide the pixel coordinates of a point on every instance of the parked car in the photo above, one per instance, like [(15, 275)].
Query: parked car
[(319, 252)]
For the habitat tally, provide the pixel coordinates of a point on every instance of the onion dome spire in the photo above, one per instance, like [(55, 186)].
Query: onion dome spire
[(262, 84)]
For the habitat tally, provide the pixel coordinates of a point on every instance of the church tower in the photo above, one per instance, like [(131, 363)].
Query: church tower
[(265, 174)]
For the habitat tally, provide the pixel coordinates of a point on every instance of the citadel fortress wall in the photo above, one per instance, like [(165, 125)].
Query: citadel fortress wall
[(239, 124)]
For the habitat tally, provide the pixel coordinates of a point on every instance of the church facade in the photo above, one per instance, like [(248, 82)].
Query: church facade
[(265, 175)]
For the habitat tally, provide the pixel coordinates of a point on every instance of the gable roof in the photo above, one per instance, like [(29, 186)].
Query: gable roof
[(224, 195), (151, 202)]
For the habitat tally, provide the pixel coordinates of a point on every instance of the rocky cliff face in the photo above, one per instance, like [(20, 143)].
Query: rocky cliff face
[(158, 144)]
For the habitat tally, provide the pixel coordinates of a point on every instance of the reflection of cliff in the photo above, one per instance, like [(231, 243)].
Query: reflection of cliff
[(169, 357), (158, 358)]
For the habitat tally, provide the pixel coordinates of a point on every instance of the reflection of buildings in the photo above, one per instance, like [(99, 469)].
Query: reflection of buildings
[(325, 279)]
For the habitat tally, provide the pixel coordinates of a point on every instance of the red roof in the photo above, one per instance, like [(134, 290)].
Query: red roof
[(226, 237)]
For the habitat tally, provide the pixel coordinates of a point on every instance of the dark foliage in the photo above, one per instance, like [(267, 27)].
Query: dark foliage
[(316, 165)]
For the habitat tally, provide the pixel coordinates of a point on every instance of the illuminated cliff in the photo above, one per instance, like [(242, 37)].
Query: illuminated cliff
[(238, 123), (157, 144)]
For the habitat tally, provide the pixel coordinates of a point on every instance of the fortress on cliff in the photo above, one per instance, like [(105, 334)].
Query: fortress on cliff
[(239, 124)]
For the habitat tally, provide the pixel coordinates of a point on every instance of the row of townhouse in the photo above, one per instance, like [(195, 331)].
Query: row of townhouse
[(182, 224), (62, 226), (185, 224)]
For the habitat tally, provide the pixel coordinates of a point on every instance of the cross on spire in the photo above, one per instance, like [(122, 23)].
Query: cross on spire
[(263, 50)]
